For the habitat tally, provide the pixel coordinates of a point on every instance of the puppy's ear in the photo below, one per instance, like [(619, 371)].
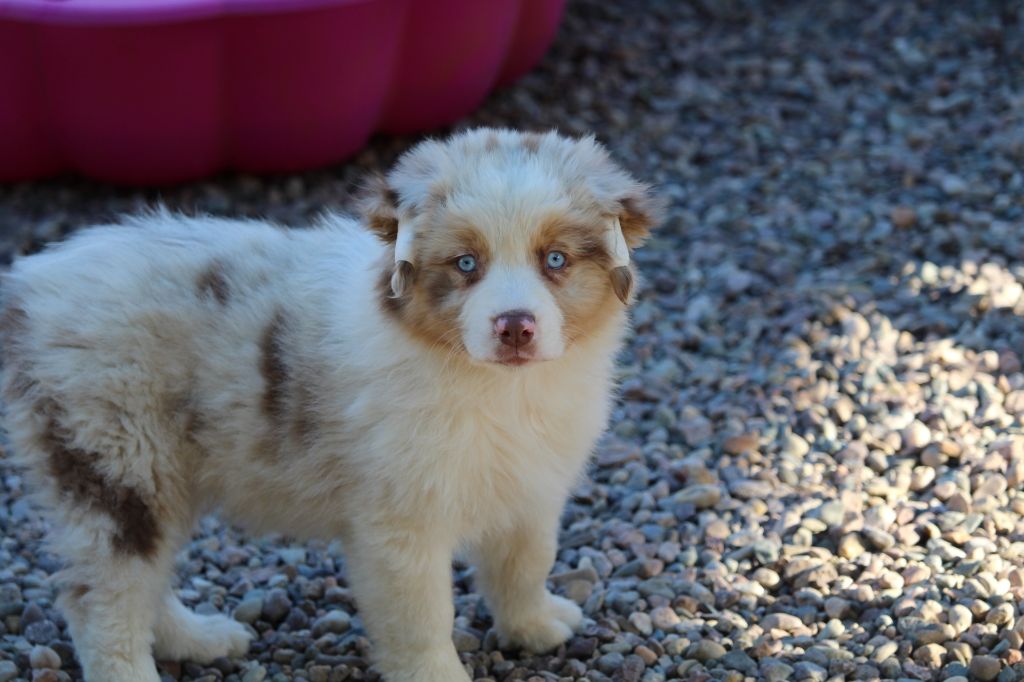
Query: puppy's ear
[(378, 204), (641, 210)]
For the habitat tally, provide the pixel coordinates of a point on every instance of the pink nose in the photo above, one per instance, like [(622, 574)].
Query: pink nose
[(515, 328)]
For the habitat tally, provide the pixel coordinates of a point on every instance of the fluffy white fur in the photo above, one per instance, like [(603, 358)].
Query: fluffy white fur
[(137, 356)]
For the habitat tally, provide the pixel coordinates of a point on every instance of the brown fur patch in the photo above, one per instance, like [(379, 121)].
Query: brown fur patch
[(437, 196), (18, 383), (378, 203), (492, 142), (622, 282), (273, 369), (13, 323), (289, 398), (531, 141), (212, 282), (77, 478), (430, 308), (582, 289), (640, 212), (578, 238), (78, 591)]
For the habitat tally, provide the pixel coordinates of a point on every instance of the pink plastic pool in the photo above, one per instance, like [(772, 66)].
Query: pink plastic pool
[(159, 91)]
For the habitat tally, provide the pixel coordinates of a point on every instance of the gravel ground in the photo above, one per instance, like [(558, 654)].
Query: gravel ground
[(816, 469)]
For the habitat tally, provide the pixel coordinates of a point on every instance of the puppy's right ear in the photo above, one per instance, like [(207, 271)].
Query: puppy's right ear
[(378, 204)]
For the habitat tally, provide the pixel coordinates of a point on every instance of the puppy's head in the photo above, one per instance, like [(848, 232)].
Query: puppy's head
[(508, 247)]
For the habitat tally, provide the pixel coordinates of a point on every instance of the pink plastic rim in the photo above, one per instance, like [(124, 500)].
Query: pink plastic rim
[(148, 92)]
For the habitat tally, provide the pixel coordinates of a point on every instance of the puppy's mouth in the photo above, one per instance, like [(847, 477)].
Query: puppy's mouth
[(515, 359)]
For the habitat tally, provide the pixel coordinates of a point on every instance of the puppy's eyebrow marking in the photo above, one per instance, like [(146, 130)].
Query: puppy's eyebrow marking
[(491, 143), (13, 322), (531, 142), (273, 368), (438, 194), (76, 475), (211, 282)]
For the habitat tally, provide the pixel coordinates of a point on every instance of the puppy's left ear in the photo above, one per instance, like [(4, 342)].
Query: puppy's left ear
[(640, 210)]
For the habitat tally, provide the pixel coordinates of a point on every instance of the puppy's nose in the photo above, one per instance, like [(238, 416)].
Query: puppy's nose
[(515, 328)]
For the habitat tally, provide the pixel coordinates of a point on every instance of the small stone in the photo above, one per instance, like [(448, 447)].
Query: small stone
[(930, 655), (850, 546), (581, 648), (739, 660), (664, 618), (276, 605), (836, 607), (774, 670), (8, 671), (737, 445), (41, 632), (782, 621), (248, 610), (641, 622), (579, 591), (960, 618), (335, 621), (903, 217), (916, 435), (257, 673), (985, 668), (465, 641), (319, 673), (915, 574), (1000, 615), (700, 496), (766, 577), (877, 538), (953, 185), (933, 633), (44, 657), (806, 670), (706, 650), (795, 446), (648, 656)]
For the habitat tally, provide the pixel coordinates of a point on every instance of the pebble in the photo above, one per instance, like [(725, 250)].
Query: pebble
[(985, 668), (276, 606), (334, 621), (706, 650), (44, 657)]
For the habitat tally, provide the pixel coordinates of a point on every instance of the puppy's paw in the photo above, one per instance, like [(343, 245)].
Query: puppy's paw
[(203, 639), (229, 638), (544, 629)]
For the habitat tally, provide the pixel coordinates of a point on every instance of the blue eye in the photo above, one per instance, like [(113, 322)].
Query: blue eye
[(556, 260), (466, 263)]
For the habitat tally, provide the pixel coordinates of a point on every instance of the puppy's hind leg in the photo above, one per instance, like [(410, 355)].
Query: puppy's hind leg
[(183, 635), (110, 602)]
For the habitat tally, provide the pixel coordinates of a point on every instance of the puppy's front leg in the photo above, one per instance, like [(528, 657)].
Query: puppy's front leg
[(403, 586), (513, 567)]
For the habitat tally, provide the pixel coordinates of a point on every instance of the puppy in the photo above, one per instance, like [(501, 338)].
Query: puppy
[(430, 384)]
